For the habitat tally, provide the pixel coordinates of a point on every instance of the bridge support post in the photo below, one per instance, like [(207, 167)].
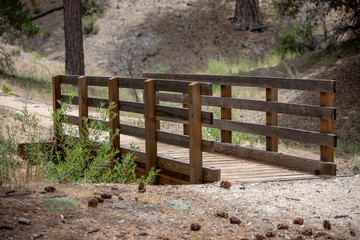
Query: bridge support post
[(83, 103), (272, 119), (195, 133), (226, 136), (113, 85), (56, 89), (150, 125), (327, 126)]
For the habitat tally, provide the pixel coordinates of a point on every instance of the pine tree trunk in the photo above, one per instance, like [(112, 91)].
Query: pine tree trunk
[(74, 53), (247, 15)]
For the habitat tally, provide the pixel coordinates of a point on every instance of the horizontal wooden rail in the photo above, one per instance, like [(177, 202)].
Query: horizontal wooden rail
[(138, 83), (174, 114), (277, 132), (263, 82), (300, 163), (255, 105), (164, 137)]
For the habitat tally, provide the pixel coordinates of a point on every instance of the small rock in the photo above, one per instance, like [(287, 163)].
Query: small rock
[(195, 227), (270, 234), (352, 233), (63, 181), (225, 184), (93, 202), (299, 238), (235, 220), (4, 227), (299, 221), (242, 188), (36, 236), (222, 214), (260, 237), (50, 189), (320, 234), (143, 234), (94, 231), (114, 188), (307, 232), (120, 198), (317, 172), (142, 188), (282, 226), (327, 225), (121, 221), (106, 196), (100, 200), (24, 221)]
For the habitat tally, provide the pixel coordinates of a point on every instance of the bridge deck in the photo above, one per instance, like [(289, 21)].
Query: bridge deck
[(232, 168)]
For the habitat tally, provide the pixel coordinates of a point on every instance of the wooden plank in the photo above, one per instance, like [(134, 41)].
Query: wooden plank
[(150, 125), (226, 136), (327, 126), (185, 126), (278, 132), (138, 83), (83, 103), (56, 94), (304, 164), (255, 105), (114, 116), (174, 113), (195, 134), (272, 120), (265, 82)]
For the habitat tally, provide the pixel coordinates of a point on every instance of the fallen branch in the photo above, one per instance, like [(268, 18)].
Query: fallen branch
[(42, 14)]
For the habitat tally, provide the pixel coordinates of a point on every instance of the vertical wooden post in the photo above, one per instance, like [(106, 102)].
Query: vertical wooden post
[(226, 136), (271, 119), (56, 92), (327, 126), (195, 133), (83, 102), (150, 124), (185, 126), (113, 85)]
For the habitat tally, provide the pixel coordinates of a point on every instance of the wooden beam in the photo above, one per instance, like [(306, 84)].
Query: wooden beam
[(138, 83), (56, 94), (272, 120), (83, 102), (185, 126), (327, 126), (255, 105), (195, 133), (278, 159), (150, 125), (276, 132), (265, 82), (113, 84), (226, 136)]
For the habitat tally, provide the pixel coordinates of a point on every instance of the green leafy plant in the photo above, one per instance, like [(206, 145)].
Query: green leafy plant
[(296, 37), (5, 89), (158, 68)]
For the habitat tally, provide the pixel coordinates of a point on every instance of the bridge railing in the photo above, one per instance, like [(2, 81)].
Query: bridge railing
[(325, 111)]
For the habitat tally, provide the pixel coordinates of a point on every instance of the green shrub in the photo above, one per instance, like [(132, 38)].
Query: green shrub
[(89, 24), (296, 38), (158, 68)]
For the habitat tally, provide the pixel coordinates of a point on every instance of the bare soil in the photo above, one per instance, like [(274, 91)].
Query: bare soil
[(167, 212)]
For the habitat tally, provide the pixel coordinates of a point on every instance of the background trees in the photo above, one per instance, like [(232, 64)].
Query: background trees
[(247, 15)]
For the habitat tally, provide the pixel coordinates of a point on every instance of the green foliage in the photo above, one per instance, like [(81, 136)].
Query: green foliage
[(37, 55), (60, 204), (347, 12), (5, 89), (90, 15), (296, 37), (15, 19), (245, 139), (16, 51)]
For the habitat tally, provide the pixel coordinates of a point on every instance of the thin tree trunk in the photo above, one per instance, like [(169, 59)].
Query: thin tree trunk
[(74, 53), (247, 15)]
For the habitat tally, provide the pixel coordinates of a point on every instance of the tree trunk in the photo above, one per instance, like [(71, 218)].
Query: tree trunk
[(247, 15), (74, 53)]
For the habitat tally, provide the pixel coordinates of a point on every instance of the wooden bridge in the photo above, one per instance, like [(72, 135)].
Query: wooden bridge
[(187, 158)]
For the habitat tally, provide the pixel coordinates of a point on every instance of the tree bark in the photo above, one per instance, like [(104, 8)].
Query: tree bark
[(74, 53), (247, 15)]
